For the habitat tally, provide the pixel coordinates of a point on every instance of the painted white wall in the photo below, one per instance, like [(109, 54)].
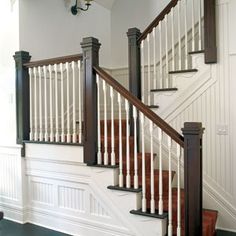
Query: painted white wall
[(127, 14), (9, 43), (48, 29)]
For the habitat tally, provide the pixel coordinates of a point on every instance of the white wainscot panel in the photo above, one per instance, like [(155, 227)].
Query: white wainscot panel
[(41, 192), (96, 208), (71, 198)]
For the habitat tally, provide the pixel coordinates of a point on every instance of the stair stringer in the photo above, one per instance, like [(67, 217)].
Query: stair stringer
[(124, 202), (188, 84)]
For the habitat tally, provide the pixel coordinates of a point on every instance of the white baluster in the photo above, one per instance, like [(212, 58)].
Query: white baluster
[(51, 105), (200, 25), (121, 181), (170, 227), (154, 59), (35, 105), (193, 26), (152, 183), (160, 172), (99, 154), (149, 70), (167, 52), (62, 105), (105, 124), (127, 145), (186, 34), (45, 104), (179, 35), (74, 139), (143, 72), (144, 201), (113, 157), (68, 136), (161, 59), (56, 104), (173, 39), (135, 149), (178, 192), (80, 103), (40, 106), (31, 104)]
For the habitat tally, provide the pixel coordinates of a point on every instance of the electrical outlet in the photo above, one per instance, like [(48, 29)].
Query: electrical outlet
[(222, 129)]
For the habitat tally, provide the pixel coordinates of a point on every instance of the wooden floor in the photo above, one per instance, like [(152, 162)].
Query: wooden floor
[(9, 228)]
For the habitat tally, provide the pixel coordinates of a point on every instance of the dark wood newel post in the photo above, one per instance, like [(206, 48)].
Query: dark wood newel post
[(134, 67), (193, 178), (22, 97), (90, 47), (210, 31)]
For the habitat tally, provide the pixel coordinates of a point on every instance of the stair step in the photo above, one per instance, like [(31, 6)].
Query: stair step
[(183, 71), (106, 166), (153, 106), (124, 189), (116, 127), (149, 214), (164, 90), (196, 52)]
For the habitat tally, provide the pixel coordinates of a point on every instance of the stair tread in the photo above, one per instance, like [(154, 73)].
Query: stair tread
[(153, 106), (183, 71), (164, 90), (196, 52), (124, 189)]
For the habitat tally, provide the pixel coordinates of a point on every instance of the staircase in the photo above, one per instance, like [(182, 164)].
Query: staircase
[(209, 216), (148, 154)]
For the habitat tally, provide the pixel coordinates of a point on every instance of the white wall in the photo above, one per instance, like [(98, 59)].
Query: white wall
[(48, 29), (9, 43), (127, 14)]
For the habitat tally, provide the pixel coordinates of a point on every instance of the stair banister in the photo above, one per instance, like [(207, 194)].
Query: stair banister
[(134, 67), (210, 31), (193, 186), (156, 21), (22, 97), (140, 106), (90, 47)]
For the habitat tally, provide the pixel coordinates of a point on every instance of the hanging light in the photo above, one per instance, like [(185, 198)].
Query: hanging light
[(75, 8)]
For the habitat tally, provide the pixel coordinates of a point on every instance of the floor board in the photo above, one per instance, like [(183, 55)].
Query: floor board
[(9, 228)]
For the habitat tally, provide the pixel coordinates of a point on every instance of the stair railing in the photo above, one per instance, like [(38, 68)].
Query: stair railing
[(111, 144), (184, 26), (49, 99)]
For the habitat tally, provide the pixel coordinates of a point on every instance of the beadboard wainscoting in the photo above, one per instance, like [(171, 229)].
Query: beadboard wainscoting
[(12, 183), (68, 196)]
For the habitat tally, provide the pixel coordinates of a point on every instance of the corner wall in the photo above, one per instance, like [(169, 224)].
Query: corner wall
[(9, 43)]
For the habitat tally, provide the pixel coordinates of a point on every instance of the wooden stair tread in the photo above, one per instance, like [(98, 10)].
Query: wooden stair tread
[(183, 71), (196, 52), (164, 90)]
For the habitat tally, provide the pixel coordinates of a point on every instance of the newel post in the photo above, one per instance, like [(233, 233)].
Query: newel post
[(210, 31), (22, 97), (90, 47), (193, 178), (134, 67)]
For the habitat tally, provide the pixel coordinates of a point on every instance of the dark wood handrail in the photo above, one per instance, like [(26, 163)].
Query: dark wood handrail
[(56, 60), (141, 107), (159, 18)]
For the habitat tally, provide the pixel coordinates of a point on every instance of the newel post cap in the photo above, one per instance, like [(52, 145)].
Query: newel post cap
[(90, 42), (193, 128)]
